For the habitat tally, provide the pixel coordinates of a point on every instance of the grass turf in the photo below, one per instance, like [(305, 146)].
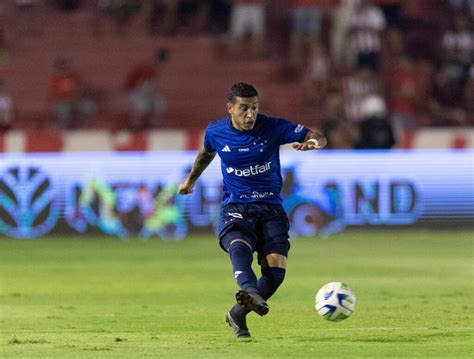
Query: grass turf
[(86, 297)]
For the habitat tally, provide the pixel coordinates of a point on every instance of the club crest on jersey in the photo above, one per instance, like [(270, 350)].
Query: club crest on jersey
[(226, 149)]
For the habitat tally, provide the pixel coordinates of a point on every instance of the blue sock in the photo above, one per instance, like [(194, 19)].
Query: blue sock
[(270, 280), (241, 257)]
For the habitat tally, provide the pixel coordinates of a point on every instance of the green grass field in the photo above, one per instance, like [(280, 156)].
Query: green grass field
[(85, 297)]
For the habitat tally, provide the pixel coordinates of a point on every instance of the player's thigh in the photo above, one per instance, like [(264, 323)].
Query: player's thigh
[(275, 245), (234, 226)]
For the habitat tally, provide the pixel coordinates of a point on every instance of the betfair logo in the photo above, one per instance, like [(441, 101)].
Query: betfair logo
[(250, 171)]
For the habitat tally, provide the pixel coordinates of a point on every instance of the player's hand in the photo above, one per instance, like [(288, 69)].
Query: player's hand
[(186, 187), (307, 145)]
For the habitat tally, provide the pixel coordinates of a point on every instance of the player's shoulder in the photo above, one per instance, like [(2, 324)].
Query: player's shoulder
[(218, 124), (270, 121)]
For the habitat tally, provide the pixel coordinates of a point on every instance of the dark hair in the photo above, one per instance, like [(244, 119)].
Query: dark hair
[(241, 89)]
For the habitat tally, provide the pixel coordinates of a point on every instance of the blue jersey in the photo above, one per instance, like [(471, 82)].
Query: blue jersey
[(250, 160)]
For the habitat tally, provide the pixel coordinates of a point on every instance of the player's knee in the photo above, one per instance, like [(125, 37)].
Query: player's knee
[(239, 246)]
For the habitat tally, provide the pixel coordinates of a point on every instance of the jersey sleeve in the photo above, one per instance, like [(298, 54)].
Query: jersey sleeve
[(208, 145), (290, 132)]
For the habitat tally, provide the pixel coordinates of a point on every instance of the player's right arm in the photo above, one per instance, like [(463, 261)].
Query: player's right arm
[(203, 159)]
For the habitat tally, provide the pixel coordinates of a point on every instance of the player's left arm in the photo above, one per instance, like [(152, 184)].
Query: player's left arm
[(312, 141)]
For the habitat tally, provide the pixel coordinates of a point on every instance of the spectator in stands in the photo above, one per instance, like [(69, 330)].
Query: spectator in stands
[(392, 10), (3, 33), (120, 12), (27, 17), (64, 92), (248, 17), (393, 49), (72, 99), (67, 5), (3, 47), (406, 90), (462, 6), (191, 16), (306, 18), (341, 50), (171, 17), (375, 129), (146, 103), (356, 87), (446, 99), (366, 29), (458, 46), (469, 96), (218, 16), (6, 108), (317, 74), (340, 132)]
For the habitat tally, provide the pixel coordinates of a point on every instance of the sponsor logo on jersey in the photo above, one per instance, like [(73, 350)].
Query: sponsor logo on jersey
[(250, 171), (256, 194), (226, 149), (244, 149)]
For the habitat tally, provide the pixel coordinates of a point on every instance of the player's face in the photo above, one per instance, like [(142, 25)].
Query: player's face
[(243, 112)]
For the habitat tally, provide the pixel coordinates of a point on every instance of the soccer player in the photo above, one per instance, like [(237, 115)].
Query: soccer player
[(252, 218)]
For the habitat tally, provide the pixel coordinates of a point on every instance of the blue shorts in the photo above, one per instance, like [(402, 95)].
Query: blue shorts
[(263, 226)]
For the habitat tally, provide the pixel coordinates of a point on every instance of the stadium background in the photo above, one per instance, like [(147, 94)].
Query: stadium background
[(396, 224)]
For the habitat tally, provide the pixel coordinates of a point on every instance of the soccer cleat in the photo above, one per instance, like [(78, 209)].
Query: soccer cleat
[(239, 325), (252, 301)]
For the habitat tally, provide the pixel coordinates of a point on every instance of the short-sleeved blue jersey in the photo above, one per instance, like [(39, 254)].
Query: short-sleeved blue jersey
[(250, 160)]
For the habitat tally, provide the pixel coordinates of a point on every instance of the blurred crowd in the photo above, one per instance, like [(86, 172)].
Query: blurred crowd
[(370, 69)]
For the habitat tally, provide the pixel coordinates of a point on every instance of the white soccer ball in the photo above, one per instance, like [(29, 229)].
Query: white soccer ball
[(335, 301)]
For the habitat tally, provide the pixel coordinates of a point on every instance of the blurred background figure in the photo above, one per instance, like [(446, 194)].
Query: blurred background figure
[(367, 25), (392, 11), (306, 20), (340, 132), (3, 47), (72, 99), (469, 97), (119, 13), (446, 98), (146, 103), (342, 52), (375, 129), (248, 20), (458, 46), (406, 93), (68, 5), (462, 6), (357, 85), (28, 20), (6, 108), (317, 74), (173, 17)]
